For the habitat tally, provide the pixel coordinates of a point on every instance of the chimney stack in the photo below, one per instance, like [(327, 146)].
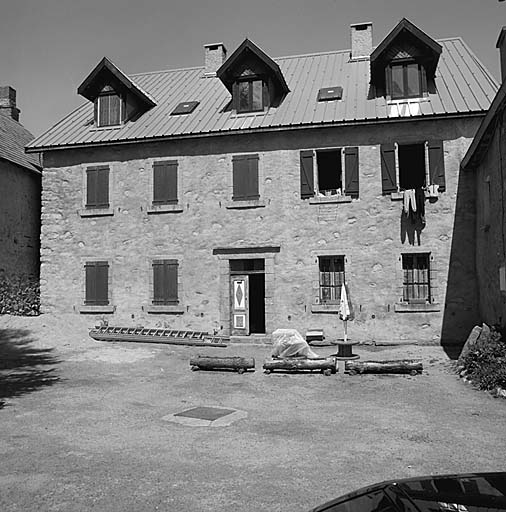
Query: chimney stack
[(361, 40), (214, 56), (8, 102), (501, 44)]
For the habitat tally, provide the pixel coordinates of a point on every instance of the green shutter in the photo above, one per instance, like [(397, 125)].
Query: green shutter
[(351, 172), (245, 177), (306, 174), (437, 164), (388, 174)]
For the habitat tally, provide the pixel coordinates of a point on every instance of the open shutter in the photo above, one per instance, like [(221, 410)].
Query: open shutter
[(102, 192), (437, 164), (165, 182), (306, 174), (245, 177), (351, 171), (388, 175)]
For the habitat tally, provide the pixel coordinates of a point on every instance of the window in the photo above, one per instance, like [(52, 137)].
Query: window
[(97, 283), (416, 278), (245, 177), (249, 95), (404, 166), (405, 80), (109, 108), (165, 286), (97, 187), (329, 172), (165, 183), (331, 278)]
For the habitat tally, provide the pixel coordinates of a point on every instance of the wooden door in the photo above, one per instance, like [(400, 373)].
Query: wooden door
[(240, 305)]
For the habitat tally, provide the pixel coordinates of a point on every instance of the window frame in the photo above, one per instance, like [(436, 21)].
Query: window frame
[(405, 63), (339, 282), (250, 79), (163, 307), (109, 93), (340, 192), (166, 300), (416, 282), (94, 204)]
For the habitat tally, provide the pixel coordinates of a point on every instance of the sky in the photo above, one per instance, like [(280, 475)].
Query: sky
[(48, 47)]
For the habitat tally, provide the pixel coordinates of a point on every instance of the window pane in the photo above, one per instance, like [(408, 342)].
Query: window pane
[(413, 80), (243, 89), (397, 82), (257, 95)]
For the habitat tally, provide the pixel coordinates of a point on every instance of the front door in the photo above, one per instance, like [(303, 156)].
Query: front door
[(240, 305)]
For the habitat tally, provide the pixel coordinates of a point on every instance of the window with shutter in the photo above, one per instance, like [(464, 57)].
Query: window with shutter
[(437, 164), (97, 283), (245, 177), (388, 172), (165, 182), (109, 108), (97, 187), (165, 282)]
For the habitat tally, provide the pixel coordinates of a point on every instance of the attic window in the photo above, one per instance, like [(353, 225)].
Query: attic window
[(249, 95), (185, 107), (330, 93), (109, 108)]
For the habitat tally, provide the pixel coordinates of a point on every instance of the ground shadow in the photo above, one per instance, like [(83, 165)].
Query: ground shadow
[(23, 368)]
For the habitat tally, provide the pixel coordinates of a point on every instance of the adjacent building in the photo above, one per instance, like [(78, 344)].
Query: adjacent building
[(20, 183), (239, 196), (485, 161)]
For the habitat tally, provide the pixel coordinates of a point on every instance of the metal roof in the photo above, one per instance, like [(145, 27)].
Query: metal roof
[(463, 86), (13, 138)]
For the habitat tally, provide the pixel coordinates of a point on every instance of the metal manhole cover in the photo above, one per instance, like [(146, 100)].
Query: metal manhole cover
[(205, 413)]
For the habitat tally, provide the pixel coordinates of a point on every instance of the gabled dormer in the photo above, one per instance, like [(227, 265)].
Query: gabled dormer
[(253, 78), (404, 64), (117, 98)]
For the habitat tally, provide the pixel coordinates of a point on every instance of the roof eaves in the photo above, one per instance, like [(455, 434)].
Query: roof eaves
[(480, 142)]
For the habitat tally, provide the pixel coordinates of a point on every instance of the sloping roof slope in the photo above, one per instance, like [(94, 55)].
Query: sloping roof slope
[(463, 86), (13, 139)]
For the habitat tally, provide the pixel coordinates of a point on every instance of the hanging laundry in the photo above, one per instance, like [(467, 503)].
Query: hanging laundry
[(433, 190), (409, 200), (420, 201)]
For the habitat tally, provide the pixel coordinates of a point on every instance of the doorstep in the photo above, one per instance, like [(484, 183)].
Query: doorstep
[(252, 339)]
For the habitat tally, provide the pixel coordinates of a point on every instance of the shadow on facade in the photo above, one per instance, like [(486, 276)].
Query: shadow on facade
[(460, 313), (23, 368)]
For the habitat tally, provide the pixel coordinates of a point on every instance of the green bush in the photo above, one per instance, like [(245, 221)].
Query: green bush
[(485, 363), (19, 295)]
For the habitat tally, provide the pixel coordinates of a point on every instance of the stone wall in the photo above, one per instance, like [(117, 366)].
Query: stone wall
[(367, 231), (19, 220), (491, 228)]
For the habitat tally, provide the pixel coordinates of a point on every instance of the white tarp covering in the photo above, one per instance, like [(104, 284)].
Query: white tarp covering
[(290, 343)]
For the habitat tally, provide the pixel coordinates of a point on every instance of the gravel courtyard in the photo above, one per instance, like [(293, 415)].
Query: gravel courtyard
[(90, 426)]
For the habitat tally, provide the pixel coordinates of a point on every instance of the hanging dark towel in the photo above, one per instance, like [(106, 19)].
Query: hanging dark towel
[(420, 204)]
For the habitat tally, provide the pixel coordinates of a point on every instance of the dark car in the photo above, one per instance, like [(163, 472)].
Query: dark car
[(473, 492)]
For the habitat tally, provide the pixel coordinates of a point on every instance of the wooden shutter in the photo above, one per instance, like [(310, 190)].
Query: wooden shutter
[(437, 164), (306, 174), (245, 177), (91, 187), (388, 175), (102, 187), (351, 172), (97, 282), (165, 286), (165, 182)]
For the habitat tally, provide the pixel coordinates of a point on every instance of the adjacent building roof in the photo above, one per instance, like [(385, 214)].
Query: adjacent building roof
[(13, 139), (463, 86)]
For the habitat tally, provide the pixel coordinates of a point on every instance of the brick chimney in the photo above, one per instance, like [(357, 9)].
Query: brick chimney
[(361, 40), (214, 56), (501, 44), (8, 102)]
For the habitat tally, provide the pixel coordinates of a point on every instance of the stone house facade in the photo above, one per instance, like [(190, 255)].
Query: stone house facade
[(20, 183), (241, 196), (484, 161)]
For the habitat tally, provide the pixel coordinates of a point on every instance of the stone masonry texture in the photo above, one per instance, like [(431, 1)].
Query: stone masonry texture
[(368, 232)]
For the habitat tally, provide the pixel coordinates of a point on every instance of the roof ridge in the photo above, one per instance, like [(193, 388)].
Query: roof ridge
[(165, 71)]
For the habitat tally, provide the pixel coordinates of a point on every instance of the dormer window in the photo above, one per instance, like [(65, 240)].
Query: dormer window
[(405, 80), (249, 95), (109, 110)]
